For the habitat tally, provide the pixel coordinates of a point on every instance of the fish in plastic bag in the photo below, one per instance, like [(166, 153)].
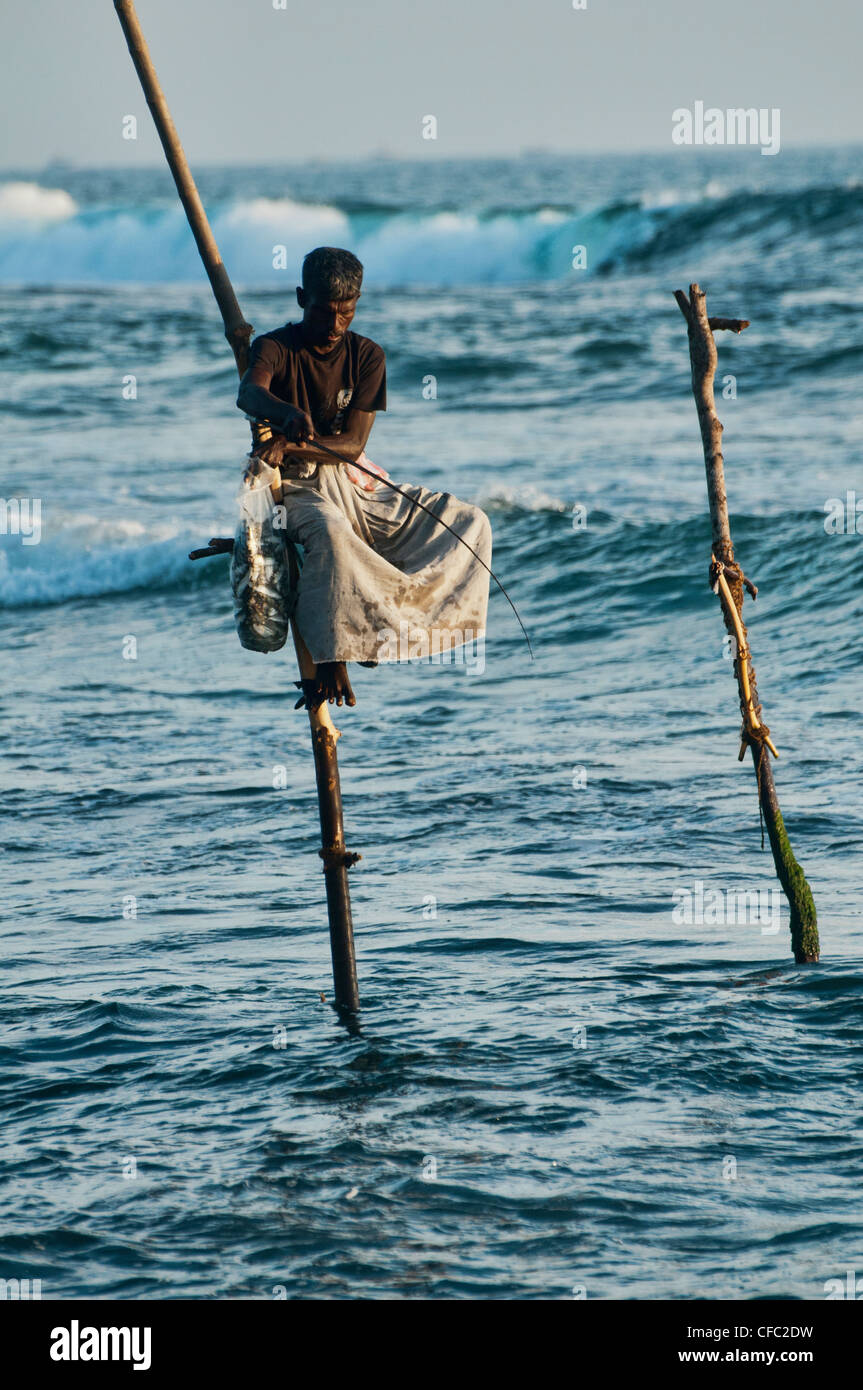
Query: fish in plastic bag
[(264, 597)]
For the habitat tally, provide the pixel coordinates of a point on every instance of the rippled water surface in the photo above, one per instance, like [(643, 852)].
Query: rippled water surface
[(553, 1084)]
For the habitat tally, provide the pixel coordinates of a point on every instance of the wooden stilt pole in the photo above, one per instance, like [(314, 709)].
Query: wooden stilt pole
[(728, 581), (337, 859)]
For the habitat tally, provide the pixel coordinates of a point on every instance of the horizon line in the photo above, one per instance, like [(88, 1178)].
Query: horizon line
[(529, 152)]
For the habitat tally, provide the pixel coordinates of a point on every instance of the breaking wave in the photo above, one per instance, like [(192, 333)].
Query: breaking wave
[(46, 238), (89, 558)]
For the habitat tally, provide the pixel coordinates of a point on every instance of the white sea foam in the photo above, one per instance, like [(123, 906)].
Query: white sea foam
[(522, 498), (27, 202), (275, 214)]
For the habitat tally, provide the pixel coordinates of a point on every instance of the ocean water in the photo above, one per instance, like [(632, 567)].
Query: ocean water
[(555, 1084)]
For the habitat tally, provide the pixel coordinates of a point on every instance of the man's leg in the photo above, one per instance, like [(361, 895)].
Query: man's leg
[(317, 523)]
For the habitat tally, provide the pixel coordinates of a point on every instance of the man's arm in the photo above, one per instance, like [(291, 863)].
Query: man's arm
[(350, 443), (255, 398)]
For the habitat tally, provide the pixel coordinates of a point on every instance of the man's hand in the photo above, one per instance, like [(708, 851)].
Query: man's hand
[(296, 430), (330, 682), (272, 451)]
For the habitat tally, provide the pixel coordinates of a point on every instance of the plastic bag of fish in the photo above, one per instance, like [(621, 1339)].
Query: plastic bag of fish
[(264, 597)]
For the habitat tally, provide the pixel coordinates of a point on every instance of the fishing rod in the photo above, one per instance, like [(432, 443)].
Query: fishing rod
[(342, 458)]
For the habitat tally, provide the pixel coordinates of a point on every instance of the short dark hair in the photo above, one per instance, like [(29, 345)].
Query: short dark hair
[(332, 272)]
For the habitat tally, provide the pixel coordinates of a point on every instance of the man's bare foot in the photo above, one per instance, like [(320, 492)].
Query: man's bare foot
[(331, 683), (332, 677)]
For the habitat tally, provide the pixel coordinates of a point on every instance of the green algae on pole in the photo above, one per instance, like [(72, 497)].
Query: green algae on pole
[(728, 580)]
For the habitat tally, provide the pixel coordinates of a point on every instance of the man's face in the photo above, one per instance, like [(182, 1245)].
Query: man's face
[(325, 321)]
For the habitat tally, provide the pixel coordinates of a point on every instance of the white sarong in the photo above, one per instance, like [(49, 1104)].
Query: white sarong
[(381, 580)]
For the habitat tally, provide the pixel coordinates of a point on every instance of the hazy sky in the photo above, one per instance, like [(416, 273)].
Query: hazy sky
[(342, 78)]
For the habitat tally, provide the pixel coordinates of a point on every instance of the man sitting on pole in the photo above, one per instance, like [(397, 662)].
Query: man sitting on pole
[(381, 578)]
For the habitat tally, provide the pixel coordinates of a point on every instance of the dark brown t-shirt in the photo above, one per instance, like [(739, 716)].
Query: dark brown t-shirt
[(324, 384)]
